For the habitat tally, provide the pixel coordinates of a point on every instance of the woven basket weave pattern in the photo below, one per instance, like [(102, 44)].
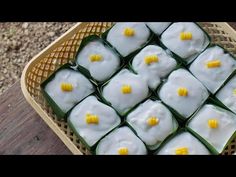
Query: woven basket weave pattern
[(66, 52)]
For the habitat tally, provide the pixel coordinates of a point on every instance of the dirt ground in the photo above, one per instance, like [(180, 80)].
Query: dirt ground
[(20, 41)]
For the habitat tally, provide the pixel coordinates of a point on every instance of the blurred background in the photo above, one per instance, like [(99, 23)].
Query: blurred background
[(20, 41)]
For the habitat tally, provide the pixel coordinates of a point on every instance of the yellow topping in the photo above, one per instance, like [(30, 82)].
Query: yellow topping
[(213, 123), (95, 57), (181, 151), (66, 87), (126, 89), (129, 32), (152, 121), (234, 91), (182, 91), (123, 151), (92, 119), (213, 63), (151, 59), (185, 36)]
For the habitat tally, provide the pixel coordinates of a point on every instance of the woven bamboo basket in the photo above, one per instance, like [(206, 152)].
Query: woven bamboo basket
[(64, 49)]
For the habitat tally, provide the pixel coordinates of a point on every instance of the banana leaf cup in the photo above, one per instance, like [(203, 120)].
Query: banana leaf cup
[(182, 119), (176, 134), (154, 146), (92, 127), (122, 114), (226, 79), (182, 60), (55, 107), (214, 127), (86, 71), (150, 39)]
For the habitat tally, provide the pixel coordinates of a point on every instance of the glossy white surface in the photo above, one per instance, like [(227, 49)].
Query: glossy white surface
[(187, 49), (99, 70), (124, 102), (152, 135), (121, 137), (158, 27), (217, 137), (126, 45), (185, 139), (91, 133), (213, 78), (227, 94), (82, 87), (184, 105), (155, 71)]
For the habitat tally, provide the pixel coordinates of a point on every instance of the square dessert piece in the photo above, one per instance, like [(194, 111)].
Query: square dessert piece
[(66, 88), (212, 67), (183, 92), (128, 37), (185, 39), (227, 94), (183, 144), (214, 125), (99, 59), (153, 123), (91, 120), (121, 141), (158, 27), (125, 90), (153, 64)]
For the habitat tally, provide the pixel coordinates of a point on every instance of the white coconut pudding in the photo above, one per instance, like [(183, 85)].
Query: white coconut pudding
[(92, 119), (68, 87), (153, 122), (125, 90), (121, 141), (215, 125), (158, 27), (183, 92), (99, 60), (213, 67), (153, 63), (185, 39), (227, 94), (128, 37), (184, 144)]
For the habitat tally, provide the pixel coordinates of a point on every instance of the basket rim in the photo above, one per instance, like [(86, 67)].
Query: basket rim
[(34, 104), (69, 144), (227, 28)]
